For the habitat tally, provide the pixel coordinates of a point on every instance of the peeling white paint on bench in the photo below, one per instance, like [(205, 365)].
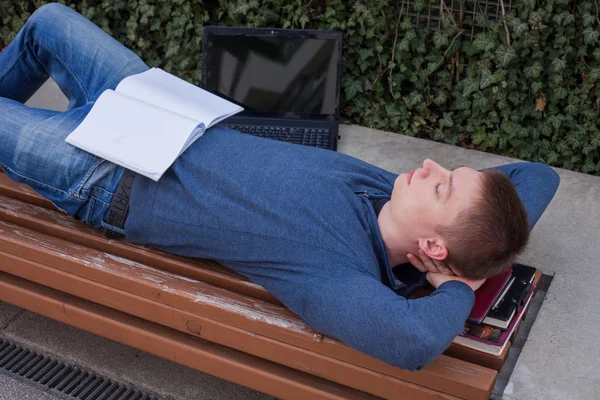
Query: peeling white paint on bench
[(215, 302), (255, 314), (17, 208), (29, 212)]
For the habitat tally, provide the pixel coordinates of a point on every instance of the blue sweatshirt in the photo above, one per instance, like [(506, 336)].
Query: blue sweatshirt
[(297, 220)]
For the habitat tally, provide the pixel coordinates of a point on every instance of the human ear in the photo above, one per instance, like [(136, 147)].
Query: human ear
[(434, 248)]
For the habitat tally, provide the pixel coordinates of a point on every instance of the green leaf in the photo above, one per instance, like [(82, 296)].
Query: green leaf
[(440, 40), (571, 109), (505, 55), (483, 42), (410, 35), (404, 45), (545, 129), (479, 137), (419, 5), (594, 75), (588, 149), (520, 29), (461, 103), (555, 121), (363, 54), (568, 19), (552, 158), (538, 15), (555, 80), (487, 79), (534, 70), (589, 166), (446, 121), (352, 87), (587, 19), (536, 86), (530, 4), (441, 98), (480, 102), (560, 93), (510, 128), (303, 21), (558, 65), (172, 49), (470, 86), (590, 36), (413, 99)]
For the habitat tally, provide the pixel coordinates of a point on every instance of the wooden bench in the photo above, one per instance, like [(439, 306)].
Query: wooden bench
[(199, 314)]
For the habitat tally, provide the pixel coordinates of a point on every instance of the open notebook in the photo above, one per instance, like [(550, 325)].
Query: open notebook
[(148, 121)]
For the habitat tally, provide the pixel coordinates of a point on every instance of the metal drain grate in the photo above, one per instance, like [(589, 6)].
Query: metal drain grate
[(66, 381)]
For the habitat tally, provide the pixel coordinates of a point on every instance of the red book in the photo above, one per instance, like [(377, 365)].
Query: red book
[(487, 294), (489, 339)]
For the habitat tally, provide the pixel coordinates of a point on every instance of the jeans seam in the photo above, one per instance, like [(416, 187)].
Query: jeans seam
[(93, 201), (19, 56), (90, 209), (60, 208), (85, 94), (79, 187), (100, 189), (101, 201)]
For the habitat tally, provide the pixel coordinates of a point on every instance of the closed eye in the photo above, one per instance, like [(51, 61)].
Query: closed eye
[(437, 188)]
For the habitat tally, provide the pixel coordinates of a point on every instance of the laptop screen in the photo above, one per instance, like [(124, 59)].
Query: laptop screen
[(282, 75)]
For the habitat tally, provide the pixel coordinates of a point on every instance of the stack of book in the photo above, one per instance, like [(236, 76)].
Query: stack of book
[(499, 307)]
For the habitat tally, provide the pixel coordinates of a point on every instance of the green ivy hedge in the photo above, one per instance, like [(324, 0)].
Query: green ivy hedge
[(524, 86)]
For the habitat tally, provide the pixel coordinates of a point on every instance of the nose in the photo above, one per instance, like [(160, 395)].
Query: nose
[(431, 167)]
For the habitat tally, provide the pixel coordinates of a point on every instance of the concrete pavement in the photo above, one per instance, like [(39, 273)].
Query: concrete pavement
[(559, 359)]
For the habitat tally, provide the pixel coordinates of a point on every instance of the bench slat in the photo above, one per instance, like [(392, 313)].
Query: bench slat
[(220, 361), (62, 226), (325, 367), (143, 281), (22, 192), (174, 290)]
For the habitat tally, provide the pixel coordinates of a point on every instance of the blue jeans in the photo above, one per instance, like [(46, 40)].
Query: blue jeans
[(59, 43)]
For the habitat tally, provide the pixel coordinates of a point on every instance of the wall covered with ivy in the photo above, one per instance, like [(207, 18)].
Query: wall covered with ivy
[(523, 85)]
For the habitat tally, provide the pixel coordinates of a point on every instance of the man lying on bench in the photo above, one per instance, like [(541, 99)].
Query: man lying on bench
[(320, 230)]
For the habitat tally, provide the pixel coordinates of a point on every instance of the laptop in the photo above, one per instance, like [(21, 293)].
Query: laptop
[(287, 80)]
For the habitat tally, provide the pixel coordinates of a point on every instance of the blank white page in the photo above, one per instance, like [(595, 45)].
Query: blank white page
[(167, 91), (134, 134)]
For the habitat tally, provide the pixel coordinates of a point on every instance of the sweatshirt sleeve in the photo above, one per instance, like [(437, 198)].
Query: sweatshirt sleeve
[(371, 318), (536, 185)]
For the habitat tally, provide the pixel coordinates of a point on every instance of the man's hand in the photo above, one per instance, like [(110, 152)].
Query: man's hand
[(436, 279), (439, 272), (426, 264)]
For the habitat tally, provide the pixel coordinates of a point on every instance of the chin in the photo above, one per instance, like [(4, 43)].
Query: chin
[(398, 183)]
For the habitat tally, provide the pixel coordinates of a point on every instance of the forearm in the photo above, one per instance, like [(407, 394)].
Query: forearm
[(441, 318), (407, 334)]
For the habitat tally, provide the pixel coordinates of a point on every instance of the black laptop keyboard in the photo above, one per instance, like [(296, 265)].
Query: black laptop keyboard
[(306, 136)]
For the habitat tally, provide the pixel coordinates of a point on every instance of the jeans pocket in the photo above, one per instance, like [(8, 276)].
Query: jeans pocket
[(95, 213), (101, 181)]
